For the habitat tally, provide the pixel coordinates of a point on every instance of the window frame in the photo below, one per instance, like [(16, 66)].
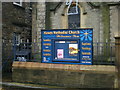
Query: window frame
[(79, 14), (30, 6), (15, 3), (17, 38)]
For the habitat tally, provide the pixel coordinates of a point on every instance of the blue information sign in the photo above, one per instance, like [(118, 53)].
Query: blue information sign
[(67, 46)]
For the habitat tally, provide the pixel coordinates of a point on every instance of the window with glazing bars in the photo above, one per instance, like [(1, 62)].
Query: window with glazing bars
[(74, 19)]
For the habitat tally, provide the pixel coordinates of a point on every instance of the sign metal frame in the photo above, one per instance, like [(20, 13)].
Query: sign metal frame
[(85, 44)]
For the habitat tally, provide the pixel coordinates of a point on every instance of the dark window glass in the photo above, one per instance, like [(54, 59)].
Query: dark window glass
[(17, 2), (30, 5), (74, 19)]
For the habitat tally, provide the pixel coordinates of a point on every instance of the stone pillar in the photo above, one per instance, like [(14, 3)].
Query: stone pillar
[(117, 46), (105, 20), (38, 23), (106, 29)]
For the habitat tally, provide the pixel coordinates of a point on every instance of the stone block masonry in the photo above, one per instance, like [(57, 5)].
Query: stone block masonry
[(0, 42), (117, 45), (0, 31), (16, 22), (71, 76), (38, 23)]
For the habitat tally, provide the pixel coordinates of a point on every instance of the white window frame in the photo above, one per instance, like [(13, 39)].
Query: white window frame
[(18, 3), (18, 40)]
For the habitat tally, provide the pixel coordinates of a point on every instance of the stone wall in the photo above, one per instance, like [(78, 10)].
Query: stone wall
[(117, 45), (0, 43), (0, 32), (15, 19), (113, 22), (119, 20), (101, 19), (70, 76), (90, 20), (38, 24)]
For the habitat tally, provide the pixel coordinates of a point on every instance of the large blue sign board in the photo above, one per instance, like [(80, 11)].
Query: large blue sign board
[(67, 46)]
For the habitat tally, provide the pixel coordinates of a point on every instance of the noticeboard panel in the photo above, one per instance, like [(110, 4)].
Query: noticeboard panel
[(67, 46)]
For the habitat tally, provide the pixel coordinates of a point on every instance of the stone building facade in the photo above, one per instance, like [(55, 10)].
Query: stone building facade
[(16, 25), (38, 23), (47, 15), (102, 17)]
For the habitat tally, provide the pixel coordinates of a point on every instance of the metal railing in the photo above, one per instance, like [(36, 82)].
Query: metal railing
[(103, 53)]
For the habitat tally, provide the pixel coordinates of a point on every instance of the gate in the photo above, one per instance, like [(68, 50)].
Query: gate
[(21, 49)]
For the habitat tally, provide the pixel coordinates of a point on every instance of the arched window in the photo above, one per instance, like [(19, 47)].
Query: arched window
[(73, 19)]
